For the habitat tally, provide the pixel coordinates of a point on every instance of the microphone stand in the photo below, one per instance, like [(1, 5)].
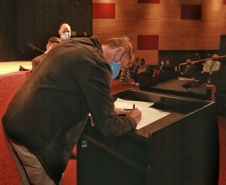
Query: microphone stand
[(33, 47)]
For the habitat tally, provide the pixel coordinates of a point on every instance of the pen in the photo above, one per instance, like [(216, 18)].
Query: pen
[(133, 106)]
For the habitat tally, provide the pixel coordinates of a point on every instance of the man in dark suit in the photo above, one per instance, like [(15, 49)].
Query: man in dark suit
[(187, 70), (47, 115)]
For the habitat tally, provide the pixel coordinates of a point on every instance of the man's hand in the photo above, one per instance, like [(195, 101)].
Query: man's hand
[(135, 114)]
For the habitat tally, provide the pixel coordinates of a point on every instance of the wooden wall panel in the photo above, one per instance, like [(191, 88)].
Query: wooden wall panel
[(212, 10), (191, 12), (164, 19)]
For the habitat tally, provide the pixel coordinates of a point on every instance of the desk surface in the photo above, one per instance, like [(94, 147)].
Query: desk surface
[(175, 87), (182, 148)]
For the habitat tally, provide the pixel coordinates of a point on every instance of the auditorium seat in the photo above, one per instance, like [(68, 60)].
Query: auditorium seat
[(9, 83)]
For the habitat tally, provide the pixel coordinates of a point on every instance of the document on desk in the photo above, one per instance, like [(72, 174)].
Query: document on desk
[(149, 115)]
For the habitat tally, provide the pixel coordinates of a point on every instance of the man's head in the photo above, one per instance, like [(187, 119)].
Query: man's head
[(65, 31), (118, 53), (118, 49), (142, 61), (136, 60), (215, 57), (188, 61), (52, 42)]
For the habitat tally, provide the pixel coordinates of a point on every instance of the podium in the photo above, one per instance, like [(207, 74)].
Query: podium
[(180, 148)]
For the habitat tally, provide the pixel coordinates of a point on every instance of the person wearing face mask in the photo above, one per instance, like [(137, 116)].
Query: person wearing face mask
[(55, 102), (210, 68), (143, 67), (53, 41), (64, 31)]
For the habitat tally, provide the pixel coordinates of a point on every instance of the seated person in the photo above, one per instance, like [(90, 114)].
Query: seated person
[(187, 70), (64, 31), (210, 68), (133, 68), (168, 66), (124, 76), (142, 71), (169, 72), (143, 67), (160, 69), (51, 43)]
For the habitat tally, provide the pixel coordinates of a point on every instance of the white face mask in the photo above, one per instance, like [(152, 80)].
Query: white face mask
[(65, 36)]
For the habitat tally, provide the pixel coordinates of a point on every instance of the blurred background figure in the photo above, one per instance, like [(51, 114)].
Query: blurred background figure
[(53, 41), (188, 70), (133, 68), (160, 69), (65, 31), (210, 69)]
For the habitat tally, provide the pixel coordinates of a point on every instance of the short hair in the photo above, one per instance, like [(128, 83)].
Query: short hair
[(121, 42), (215, 56), (54, 39), (64, 24), (142, 60)]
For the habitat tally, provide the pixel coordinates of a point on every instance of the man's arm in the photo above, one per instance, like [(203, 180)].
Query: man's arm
[(94, 79), (217, 66)]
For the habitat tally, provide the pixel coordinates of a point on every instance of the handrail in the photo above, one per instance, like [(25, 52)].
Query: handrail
[(201, 60)]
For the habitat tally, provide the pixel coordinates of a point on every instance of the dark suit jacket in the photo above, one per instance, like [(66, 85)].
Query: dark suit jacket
[(188, 72), (49, 111), (37, 60)]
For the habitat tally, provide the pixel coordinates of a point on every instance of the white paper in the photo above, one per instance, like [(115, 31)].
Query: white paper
[(149, 115), (128, 104)]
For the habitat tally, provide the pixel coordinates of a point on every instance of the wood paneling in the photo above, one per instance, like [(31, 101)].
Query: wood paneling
[(191, 12), (164, 19)]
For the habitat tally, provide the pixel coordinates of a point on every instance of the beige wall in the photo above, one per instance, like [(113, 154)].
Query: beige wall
[(132, 19)]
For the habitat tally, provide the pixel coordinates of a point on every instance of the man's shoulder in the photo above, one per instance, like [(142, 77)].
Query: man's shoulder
[(219, 63), (38, 58)]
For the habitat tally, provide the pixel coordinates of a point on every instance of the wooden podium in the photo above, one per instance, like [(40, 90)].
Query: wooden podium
[(179, 149)]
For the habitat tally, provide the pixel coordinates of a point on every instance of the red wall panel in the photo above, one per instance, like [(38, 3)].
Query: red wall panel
[(147, 42), (193, 12), (224, 2), (103, 10), (149, 1)]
